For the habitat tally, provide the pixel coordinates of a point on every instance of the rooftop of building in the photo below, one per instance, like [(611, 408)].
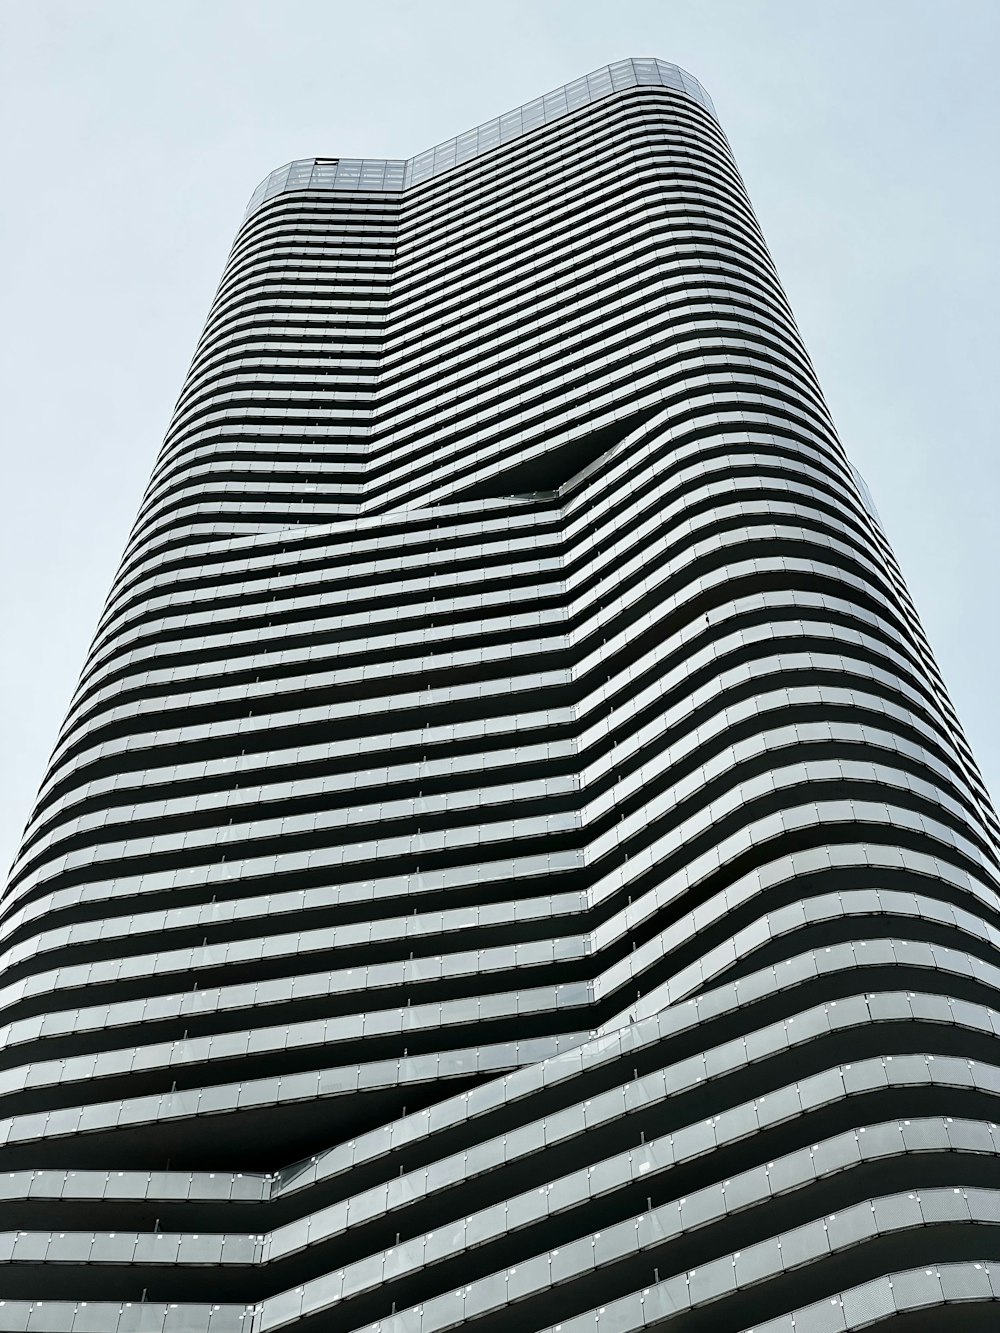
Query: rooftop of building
[(356, 173)]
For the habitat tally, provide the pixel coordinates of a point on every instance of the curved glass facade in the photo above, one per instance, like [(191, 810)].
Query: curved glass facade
[(510, 862)]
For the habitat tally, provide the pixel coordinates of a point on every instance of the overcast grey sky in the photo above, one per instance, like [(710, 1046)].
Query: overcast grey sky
[(134, 132)]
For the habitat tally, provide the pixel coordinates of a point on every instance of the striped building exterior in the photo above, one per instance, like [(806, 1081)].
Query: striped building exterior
[(510, 863)]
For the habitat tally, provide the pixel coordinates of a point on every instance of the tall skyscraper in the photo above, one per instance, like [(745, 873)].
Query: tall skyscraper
[(511, 863)]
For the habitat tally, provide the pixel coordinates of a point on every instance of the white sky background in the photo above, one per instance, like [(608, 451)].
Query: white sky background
[(132, 134)]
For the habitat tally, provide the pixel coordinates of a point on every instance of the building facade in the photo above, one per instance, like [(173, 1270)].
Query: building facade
[(510, 863)]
